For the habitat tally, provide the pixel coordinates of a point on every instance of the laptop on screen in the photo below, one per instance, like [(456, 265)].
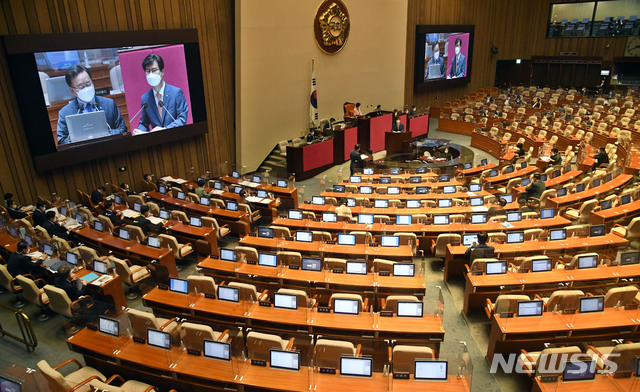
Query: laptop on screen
[(87, 126)]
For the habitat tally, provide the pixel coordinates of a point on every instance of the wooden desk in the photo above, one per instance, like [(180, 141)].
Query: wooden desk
[(307, 320), (403, 252), (576, 198), (312, 280), (555, 182), (594, 280), (476, 170), (110, 291), (290, 193), (393, 141), (133, 250), (191, 233), (455, 258), (405, 196), (391, 211), (238, 221), (509, 335), (503, 178), (602, 383), (619, 212), (8, 243), (404, 185), (190, 373), (456, 126)]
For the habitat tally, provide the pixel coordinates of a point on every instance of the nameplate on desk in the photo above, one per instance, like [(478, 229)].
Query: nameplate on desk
[(386, 313), (331, 242), (209, 295), (401, 376), (215, 257), (384, 273), (630, 306), (191, 351), (317, 220), (258, 362), (138, 340), (374, 244), (253, 235), (294, 267), (92, 327), (251, 262), (322, 309), (337, 270), (353, 221), (549, 378), (163, 287), (506, 315), (288, 238), (455, 244), (327, 370), (265, 303)]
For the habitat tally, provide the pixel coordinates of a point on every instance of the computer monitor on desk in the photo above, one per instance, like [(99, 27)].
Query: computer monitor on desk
[(515, 237), (72, 258), (346, 306), (295, 214), (304, 236), (265, 232), (232, 205), (470, 239), (541, 265), (496, 267), (393, 190), (47, 249), (357, 267), (409, 309), (227, 254), (588, 261), (159, 339), (358, 367), (329, 217), (107, 326), (124, 234), (444, 203), (592, 304), (475, 187), (385, 180), (100, 267), (282, 183), (441, 219), (530, 308), (195, 221), (204, 200), (390, 241), (164, 214), (557, 234), (318, 200), (267, 259), (449, 189), (217, 350), (231, 294), (285, 301), (476, 201), (579, 371), (366, 190), (311, 264), (283, 359), (430, 370), (137, 207), (547, 213), (404, 269), (403, 219), (478, 218), (337, 188), (346, 239), (515, 216), (413, 203), (365, 219), (178, 285), (381, 203)]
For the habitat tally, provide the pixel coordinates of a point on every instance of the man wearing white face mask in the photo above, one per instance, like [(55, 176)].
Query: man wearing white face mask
[(435, 60), (80, 84), (459, 63), (166, 106)]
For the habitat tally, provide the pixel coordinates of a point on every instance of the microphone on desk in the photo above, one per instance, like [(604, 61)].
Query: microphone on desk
[(95, 106), (144, 106), (80, 107), (161, 104)]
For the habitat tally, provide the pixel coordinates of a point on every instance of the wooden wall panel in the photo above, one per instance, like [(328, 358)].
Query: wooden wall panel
[(214, 21), (516, 28)]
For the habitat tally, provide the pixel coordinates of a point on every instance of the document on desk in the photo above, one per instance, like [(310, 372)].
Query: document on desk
[(471, 194), (254, 199), (244, 183), (216, 192), (37, 255), (155, 220), (507, 225), (363, 156), (479, 209), (131, 214), (102, 280)]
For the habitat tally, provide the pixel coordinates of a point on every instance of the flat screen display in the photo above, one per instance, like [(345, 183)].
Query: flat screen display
[(444, 203), (195, 221), (181, 195), (47, 249), (295, 214), (628, 258), (365, 219), (430, 370), (216, 350), (483, 162), (231, 205), (579, 371), (409, 309), (359, 367), (394, 171), (476, 201), (475, 187), (100, 267), (355, 179), (507, 198), (317, 200), (597, 230), (525, 181), (449, 189), (164, 214), (547, 213), (368, 171), (413, 203), (256, 179), (204, 200), (541, 265), (98, 226), (393, 190), (265, 232), (72, 258), (444, 178), (510, 169), (561, 192), (415, 180), (267, 259), (590, 261), (592, 304), (496, 267), (262, 194), (625, 199), (366, 190), (311, 264), (421, 170), (441, 219), (469, 239), (468, 165), (404, 269), (304, 236), (339, 188), (107, 326), (530, 308), (605, 205), (159, 339), (124, 234), (178, 285), (514, 216), (285, 301), (282, 359), (357, 267), (385, 180), (403, 219), (557, 234), (381, 203), (422, 190), (515, 237), (231, 294), (579, 187), (478, 218), (346, 306), (153, 242), (390, 241), (227, 254), (346, 239), (329, 217), (282, 183)]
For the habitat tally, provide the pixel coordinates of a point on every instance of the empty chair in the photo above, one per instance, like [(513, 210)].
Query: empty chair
[(141, 321), (248, 292), (35, 295), (505, 303), (126, 386), (106, 224), (404, 357), (362, 237), (193, 335), (439, 246), (624, 355), (130, 274), (563, 300), (179, 250), (322, 236), (630, 232), (391, 302), (280, 231), (205, 285), (497, 237), (620, 296), (60, 303), (180, 216), (221, 231), (479, 264), (582, 215), (381, 219), (327, 352), (575, 259), (136, 233), (335, 263), (77, 381), (11, 285), (289, 258), (382, 265), (533, 234), (410, 239), (260, 344), (532, 362)]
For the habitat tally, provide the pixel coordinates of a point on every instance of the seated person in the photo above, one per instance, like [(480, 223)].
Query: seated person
[(377, 112), (53, 228), (536, 103), (127, 189), (200, 191), (7, 198), (97, 196), (113, 216), (397, 126), (520, 151), (535, 189), (356, 111), (19, 263), (327, 130), (144, 223), (413, 111), (343, 209), (68, 282), (38, 215), (601, 158), (312, 136), (481, 249), (14, 210), (555, 158), (497, 209)]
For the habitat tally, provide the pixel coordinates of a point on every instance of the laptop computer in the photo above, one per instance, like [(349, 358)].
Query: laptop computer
[(87, 126), (58, 90), (434, 71)]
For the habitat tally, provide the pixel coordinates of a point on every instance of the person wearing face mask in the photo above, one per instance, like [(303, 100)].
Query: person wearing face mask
[(435, 60), (80, 84), (397, 126), (166, 106), (459, 62)]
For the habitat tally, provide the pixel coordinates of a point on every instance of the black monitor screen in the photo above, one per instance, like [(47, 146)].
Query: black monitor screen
[(579, 371)]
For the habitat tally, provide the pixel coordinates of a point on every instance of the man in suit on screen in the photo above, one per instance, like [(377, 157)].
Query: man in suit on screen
[(459, 62), (164, 106), (80, 84), (435, 60)]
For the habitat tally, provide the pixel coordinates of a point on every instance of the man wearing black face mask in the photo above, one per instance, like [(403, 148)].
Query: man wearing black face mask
[(80, 84), (166, 106)]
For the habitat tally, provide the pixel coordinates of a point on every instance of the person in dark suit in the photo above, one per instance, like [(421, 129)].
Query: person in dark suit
[(97, 196), (435, 60), (19, 263), (497, 209), (601, 158), (481, 249), (413, 110), (555, 158), (535, 189), (356, 159), (14, 211), (397, 126), (53, 228), (311, 137), (80, 84), (327, 130), (111, 214), (144, 223), (166, 106), (459, 62), (536, 104), (67, 282), (38, 215), (8, 198), (378, 111), (127, 189)]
